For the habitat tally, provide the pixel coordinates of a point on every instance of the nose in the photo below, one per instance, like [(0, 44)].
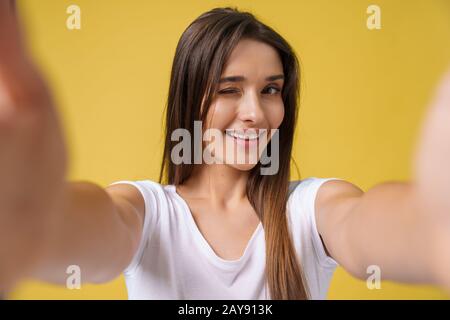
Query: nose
[(250, 110)]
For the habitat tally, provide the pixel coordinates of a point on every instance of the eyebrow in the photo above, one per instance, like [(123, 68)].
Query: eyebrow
[(242, 78)]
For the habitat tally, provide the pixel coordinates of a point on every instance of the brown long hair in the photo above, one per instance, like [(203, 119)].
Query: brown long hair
[(199, 59)]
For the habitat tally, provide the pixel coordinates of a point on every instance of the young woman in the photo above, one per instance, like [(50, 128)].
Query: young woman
[(212, 230)]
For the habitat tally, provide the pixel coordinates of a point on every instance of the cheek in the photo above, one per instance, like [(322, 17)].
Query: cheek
[(275, 115), (220, 115)]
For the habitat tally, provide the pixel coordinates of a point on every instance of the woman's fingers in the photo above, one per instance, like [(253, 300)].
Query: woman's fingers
[(8, 46), (11, 48), (19, 80)]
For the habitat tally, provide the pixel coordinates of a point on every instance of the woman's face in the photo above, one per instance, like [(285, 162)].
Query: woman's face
[(247, 105)]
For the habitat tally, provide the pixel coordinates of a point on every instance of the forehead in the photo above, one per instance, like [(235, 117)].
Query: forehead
[(252, 58)]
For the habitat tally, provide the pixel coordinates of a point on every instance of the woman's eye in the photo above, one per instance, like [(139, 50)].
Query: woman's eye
[(274, 91), (271, 90), (228, 91)]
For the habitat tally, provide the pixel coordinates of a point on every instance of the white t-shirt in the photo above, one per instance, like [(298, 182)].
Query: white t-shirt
[(174, 260)]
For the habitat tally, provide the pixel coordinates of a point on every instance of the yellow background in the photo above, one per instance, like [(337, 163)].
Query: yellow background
[(364, 94)]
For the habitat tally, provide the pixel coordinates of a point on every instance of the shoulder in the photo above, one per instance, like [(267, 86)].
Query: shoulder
[(327, 199), (334, 201), (337, 188), (318, 205), (135, 186), (334, 193), (144, 195), (323, 189)]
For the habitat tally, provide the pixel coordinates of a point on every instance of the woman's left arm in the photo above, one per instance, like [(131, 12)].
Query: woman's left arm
[(401, 227)]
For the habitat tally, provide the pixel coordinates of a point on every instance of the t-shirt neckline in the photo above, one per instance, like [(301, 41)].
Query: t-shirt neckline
[(205, 246)]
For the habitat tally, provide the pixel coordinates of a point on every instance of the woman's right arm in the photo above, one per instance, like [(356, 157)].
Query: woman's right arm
[(96, 229)]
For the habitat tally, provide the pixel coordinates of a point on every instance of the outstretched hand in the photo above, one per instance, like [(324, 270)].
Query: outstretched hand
[(32, 155)]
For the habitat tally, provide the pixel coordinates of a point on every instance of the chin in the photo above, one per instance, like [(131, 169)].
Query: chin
[(243, 167)]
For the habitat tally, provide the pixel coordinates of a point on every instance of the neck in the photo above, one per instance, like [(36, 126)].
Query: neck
[(223, 185)]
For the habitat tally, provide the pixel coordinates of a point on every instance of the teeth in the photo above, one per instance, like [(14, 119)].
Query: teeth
[(246, 136)]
